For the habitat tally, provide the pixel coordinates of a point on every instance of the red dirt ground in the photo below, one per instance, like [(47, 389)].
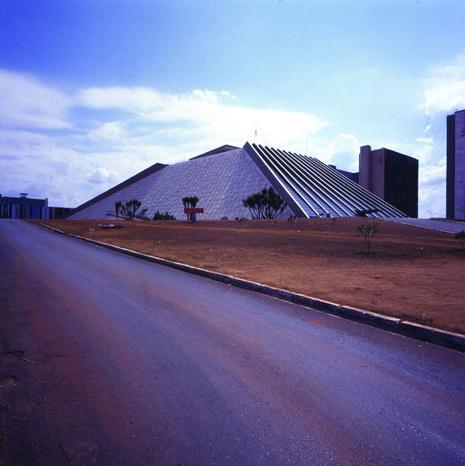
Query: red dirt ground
[(413, 273)]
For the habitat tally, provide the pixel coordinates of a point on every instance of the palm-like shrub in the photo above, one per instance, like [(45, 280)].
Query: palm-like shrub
[(127, 209), (190, 201)]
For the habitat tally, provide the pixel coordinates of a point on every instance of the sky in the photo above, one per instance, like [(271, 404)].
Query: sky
[(93, 91)]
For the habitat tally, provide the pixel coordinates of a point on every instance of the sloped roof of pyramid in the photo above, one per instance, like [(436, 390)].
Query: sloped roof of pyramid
[(144, 173), (218, 150), (134, 179), (313, 189)]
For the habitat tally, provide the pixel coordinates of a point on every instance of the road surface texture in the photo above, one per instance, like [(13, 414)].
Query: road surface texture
[(110, 360)]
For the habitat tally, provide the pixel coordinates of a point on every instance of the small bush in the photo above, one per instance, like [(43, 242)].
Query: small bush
[(163, 216)]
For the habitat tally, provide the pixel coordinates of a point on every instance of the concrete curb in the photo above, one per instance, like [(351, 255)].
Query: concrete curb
[(433, 335)]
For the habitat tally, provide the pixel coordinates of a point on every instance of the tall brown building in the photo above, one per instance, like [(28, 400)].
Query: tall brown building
[(391, 176)]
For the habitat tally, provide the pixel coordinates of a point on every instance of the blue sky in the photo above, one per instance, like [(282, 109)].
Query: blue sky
[(93, 91)]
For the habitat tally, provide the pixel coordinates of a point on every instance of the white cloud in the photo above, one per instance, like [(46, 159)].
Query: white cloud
[(444, 93), (151, 104), (425, 140), (445, 87), (432, 189), (28, 103), (101, 175), (109, 131), (343, 152), (432, 175), (206, 115), (39, 165), (425, 153), (444, 97)]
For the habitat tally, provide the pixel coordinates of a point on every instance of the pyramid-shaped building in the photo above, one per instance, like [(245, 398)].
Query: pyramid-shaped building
[(223, 177)]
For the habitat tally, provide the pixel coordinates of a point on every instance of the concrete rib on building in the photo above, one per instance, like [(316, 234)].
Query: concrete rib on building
[(223, 177)]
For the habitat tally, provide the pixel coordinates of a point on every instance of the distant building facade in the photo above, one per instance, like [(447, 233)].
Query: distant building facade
[(392, 176), (24, 207), (455, 187)]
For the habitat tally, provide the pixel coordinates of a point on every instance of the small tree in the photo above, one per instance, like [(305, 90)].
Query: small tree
[(367, 230), (254, 204), (265, 204), (190, 201), (129, 208), (460, 236)]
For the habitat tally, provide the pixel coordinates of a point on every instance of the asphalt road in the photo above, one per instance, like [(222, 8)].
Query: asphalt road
[(110, 360)]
